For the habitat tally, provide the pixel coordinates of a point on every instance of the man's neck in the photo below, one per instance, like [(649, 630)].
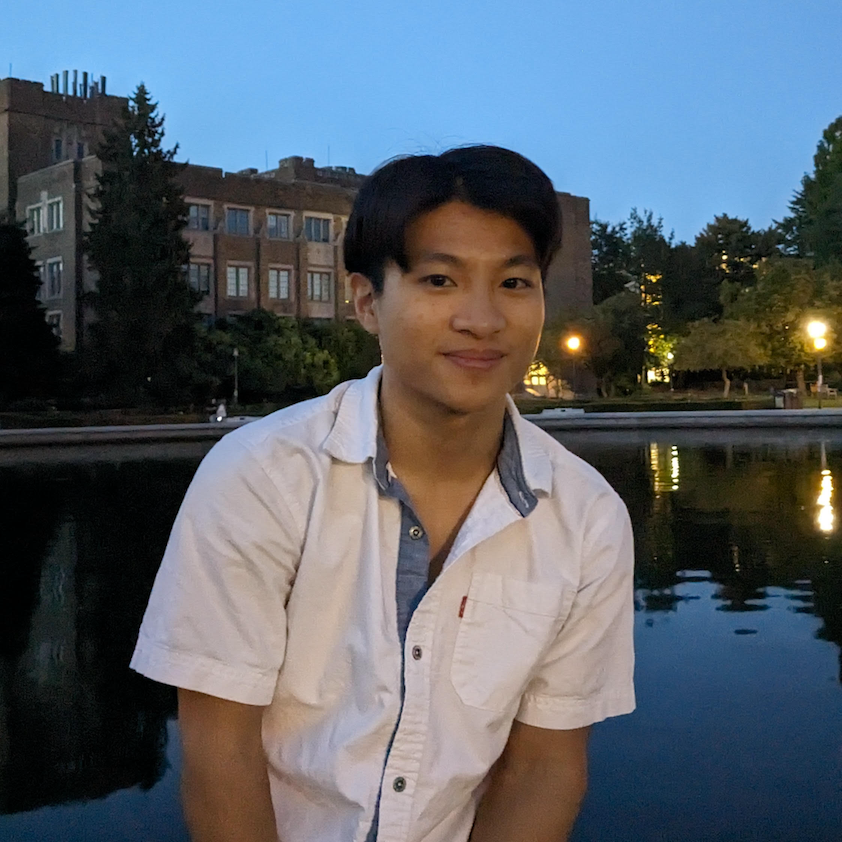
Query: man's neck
[(431, 443)]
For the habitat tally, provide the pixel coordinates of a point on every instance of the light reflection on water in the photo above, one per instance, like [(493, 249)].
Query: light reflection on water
[(738, 633)]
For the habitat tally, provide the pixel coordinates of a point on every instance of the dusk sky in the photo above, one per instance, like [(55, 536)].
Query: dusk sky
[(689, 108)]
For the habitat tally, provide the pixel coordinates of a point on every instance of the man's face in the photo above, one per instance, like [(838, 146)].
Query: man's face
[(460, 328)]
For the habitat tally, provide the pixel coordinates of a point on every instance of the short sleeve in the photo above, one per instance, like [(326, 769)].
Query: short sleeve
[(587, 673), (216, 619)]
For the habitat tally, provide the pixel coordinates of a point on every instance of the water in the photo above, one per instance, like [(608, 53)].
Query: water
[(738, 733)]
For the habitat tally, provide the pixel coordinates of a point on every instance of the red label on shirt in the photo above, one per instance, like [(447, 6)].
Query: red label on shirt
[(462, 606)]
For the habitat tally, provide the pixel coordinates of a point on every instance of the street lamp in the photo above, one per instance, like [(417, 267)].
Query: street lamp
[(236, 377), (574, 345), (816, 331)]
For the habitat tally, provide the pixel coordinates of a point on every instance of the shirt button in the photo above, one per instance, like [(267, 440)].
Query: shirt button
[(416, 653), (416, 532), (399, 784)]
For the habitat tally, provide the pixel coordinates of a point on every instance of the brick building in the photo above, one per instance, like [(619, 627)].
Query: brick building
[(270, 240), (258, 239)]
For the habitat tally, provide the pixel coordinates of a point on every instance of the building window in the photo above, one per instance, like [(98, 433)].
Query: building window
[(42, 276), (279, 284), (54, 268), (54, 321), (55, 215), (35, 220), (238, 281), (80, 150), (237, 221), (278, 226), (199, 276), (318, 286), (199, 218), (316, 229), (57, 149)]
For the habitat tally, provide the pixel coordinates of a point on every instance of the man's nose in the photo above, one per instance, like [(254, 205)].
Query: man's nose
[(478, 313)]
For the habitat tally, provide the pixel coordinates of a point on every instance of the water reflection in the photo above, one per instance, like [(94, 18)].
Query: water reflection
[(825, 503), (81, 549), (749, 516), (739, 531)]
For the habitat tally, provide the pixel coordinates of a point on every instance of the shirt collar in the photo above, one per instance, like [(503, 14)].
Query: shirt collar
[(523, 463)]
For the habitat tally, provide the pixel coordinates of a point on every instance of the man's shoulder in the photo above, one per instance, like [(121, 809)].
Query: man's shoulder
[(304, 425)]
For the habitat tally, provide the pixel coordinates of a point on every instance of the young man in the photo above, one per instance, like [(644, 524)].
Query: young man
[(393, 612)]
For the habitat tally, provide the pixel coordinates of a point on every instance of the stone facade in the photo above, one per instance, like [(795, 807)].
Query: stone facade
[(569, 279), (54, 202)]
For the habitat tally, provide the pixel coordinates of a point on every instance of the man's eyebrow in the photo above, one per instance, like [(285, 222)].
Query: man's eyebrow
[(439, 257), (443, 257), (521, 260)]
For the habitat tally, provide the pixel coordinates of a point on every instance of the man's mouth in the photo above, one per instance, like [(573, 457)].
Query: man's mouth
[(481, 359)]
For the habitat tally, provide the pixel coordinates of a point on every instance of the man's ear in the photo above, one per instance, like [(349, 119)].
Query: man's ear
[(363, 292)]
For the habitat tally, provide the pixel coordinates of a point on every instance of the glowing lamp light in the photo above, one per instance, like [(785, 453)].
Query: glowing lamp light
[(816, 330), (573, 343), (819, 342)]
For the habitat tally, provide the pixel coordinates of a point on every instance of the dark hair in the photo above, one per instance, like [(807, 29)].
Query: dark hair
[(487, 177)]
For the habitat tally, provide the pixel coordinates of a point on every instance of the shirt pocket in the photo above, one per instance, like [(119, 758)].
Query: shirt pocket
[(505, 627)]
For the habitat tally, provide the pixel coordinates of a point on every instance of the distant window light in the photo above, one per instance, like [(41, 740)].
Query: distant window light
[(318, 286), (54, 321), (54, 272), (279, 284), (238, 281), (199, 277), (316, 229), (55, 215), (199, 217), (237, 221), (277, 227), (35, 220)]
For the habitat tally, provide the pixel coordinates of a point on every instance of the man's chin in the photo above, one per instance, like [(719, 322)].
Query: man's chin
[(466, 403)]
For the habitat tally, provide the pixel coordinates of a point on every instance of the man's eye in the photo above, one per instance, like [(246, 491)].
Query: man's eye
[(517, 283), (437, 280)]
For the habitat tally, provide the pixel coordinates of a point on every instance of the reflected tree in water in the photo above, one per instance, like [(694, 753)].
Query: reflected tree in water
[(86, 549), (743, 517)]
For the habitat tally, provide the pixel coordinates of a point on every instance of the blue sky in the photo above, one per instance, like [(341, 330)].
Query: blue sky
[(689, 108)]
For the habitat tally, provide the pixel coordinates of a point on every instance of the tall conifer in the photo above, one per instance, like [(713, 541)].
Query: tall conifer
[(28, 348), (143, 337), (815, 227)]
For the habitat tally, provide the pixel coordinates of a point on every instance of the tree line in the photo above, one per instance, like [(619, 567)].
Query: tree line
[(737, 299)]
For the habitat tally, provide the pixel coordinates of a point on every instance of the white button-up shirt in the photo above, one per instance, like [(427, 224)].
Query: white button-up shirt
[(278, 588)]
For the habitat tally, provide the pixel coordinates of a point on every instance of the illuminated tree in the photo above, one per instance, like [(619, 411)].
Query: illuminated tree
[(724, 346)]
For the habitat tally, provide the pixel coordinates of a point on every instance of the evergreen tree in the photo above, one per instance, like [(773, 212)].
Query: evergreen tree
[(610, 259), (814, 229), (28, 347), (143, 339)]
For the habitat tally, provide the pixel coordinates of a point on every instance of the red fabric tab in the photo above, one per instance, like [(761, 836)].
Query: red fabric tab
[(462, 606)]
